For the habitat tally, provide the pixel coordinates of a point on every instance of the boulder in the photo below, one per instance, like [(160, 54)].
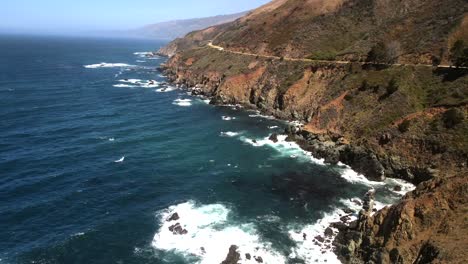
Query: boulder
[(397, 188), (274, 138), (328, 232), (177, 229), (174, 217), (248, 256)]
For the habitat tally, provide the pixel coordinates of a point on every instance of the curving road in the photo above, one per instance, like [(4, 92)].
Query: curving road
[(219, 48)]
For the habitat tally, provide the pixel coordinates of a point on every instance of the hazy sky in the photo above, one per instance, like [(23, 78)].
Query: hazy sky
[(88, 15)]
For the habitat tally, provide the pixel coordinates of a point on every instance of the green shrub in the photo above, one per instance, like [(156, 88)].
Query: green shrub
[(459, 54), (404, 126), (392, 87), (364, 86), (453, 117)]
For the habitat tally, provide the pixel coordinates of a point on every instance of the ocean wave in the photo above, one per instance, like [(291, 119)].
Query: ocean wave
[(108, 65), (285, 148), (166, 89), (210, 234), (263, 116), (121, 85), (228, 118), (182, 102), (352, 176), (139, 83), (230, 134)]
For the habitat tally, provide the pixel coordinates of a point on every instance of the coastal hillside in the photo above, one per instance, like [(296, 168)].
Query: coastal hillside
[(381, 85), (179, 28)]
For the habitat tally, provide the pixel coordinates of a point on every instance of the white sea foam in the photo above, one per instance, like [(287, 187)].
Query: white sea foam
[(122, 85), (108, 65), (285, 148), (133, 81), (166, 89), (144, 54), (208, 227), (111, 139), (272, 127), (140, 61), (405, 186), (352, 176), (263, 116), (182, 102), (228, 118), (230, 134)]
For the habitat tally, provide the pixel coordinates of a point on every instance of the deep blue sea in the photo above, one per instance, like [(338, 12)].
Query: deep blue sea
[(97, 151)]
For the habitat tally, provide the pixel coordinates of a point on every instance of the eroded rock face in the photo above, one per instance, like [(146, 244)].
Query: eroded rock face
[(420, 229)]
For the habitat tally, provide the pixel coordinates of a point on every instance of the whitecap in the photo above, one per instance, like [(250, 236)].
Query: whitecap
[(263, 116), (121, 85), (166, 89), (230, 134), (120, 160), (272, 127), (108, 65), (132, 81), (208, 227), (228, 118), (182, 102), (111, 139)]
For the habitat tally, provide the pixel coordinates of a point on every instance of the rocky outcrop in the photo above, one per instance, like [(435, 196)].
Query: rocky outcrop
[(428, 226), (233, 256)]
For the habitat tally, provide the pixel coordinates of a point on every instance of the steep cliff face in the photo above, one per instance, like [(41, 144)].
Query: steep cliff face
[(384, 120)]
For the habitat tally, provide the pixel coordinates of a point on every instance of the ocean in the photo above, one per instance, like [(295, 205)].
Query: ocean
[(97, 151)]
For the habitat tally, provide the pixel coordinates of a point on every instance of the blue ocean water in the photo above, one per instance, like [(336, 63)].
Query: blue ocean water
[(96, 151)]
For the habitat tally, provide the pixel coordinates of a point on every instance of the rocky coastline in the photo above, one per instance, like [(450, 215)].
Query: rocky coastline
[(368, 239)]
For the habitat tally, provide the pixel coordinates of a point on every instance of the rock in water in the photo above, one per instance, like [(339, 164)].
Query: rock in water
[(274, 138), (248, 256), (177, 229), (259, 259), (397, 188), (174, 217), (233, 256)]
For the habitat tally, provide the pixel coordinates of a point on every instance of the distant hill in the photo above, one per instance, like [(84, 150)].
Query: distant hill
[(179, 28)]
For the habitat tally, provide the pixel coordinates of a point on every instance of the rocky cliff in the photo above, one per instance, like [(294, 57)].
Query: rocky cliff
[(377, 109)]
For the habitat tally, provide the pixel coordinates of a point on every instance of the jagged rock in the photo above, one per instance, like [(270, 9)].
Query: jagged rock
[(248, 256), (348, 211), (174, 217), (320, 239), (233, 256), (177, 229), (259, 259), (274, 138), (397, 188)]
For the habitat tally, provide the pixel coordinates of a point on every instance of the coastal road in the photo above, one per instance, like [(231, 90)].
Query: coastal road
[(219, 48)]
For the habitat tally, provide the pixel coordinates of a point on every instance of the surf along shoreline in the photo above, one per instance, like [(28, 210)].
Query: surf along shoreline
[(332, 150)]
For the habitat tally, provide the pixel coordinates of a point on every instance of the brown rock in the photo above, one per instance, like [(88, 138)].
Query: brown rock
[(233, 256)]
